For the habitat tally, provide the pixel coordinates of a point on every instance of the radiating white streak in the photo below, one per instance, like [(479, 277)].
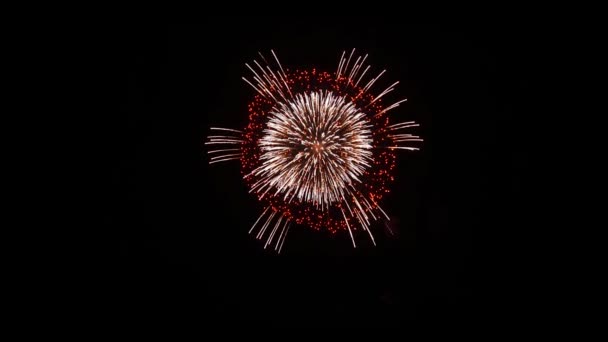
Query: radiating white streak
[(348, 226), (270, 94), (403, 135), (386, 91), (360, 65), (261, 82), (403, 148), (261, 232), (221, 160), (278, 84), (276, 89), (253, 71), (370, 83), (407, 139), (258, 187), (366, 228), (360, 218), (276, 226), (256, 184), (254, 87), (266, 82), (289, 180), (279, 63), (363, 74), (284, 79), (276, 246), (256, 222), (378, 206), (268, 220), (284, 237), (340, 65), (264, 87), (225, 129), (269, 242), (262, 56), (361, 209), (356, 69), (273, 80), (352, 70), (362, 221), (348, 61), (261, 68), (265, 191), (403, 125), (223, 150), (394, 105), (224, 159), (371, 235), (266, 76), (225, 155), (346, 200), (370, 207)]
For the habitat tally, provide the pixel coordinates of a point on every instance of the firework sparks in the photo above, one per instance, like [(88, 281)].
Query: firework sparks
[(313, 148), (318, 150)]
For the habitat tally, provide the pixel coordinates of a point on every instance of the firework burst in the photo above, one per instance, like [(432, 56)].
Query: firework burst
[(319, 148)]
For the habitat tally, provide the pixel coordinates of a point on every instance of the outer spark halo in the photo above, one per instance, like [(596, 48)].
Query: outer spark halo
[(313, 214), (318, 150)]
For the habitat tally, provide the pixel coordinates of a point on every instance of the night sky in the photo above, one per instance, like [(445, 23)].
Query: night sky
[(178, 226)]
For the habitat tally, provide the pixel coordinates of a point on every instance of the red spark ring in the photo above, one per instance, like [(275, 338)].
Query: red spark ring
[(319, 149), (375, 179)]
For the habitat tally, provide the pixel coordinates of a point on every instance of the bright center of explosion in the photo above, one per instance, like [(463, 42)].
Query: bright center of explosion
[(314, 148)]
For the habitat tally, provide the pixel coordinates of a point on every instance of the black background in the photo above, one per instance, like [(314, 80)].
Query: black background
[(178, 226)]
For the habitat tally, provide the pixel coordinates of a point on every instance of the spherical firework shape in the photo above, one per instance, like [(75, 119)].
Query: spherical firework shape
[(313, 148), (368, 172), (318, 151)]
